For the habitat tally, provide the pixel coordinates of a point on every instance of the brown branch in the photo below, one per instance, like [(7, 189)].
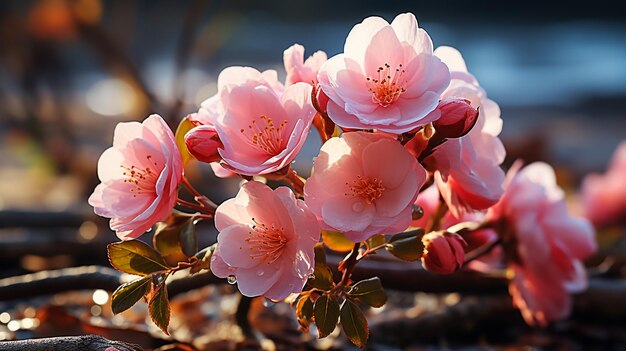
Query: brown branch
[(41, 219), (87, 277), (69, 343)]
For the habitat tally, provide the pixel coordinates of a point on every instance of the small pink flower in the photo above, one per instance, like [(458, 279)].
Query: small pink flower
[(364, 184), (457, 118), (443, 252), (140, 176), (261, 131), (203, 142), (213, 107), (387, 78), (299, 70), (467, 169), (548, 244), (604, 196), (266, 239)]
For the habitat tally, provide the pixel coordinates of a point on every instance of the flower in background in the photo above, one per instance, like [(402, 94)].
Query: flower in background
[(604, 196), (544, 244), (261, 131), (266, 240), (387, 78), (364, 184), (299, 70), (140, 174), (467, 169)]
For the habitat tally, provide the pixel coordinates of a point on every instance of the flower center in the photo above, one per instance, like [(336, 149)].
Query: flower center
[(388, 87), (265, 135), (266, 243), (144, 179), (368, 189)]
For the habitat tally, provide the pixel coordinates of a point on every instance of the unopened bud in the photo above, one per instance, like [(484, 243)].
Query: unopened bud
[(203, 142), (443, 252), (457, 118), (320, 101)]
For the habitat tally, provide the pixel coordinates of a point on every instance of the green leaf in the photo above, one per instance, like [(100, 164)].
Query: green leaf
[(135, 257), (322, 275), (337, 241), (369, 291), (375, 241), (126, 295), (188, 239), (184, 126), (407, 246), (166, 239), (326, 312), (354, 323), (304, 311), (159, 308)]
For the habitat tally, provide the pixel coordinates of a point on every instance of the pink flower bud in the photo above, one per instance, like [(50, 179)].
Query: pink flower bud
[(203, 142), (443, 252), (457, 118)]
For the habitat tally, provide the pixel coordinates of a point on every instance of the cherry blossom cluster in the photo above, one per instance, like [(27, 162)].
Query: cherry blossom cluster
[(409, 140)]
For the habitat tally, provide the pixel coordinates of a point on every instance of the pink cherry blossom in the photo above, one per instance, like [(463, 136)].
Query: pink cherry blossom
[(364, 184), (213, 107), (387, 78), (299, 70), (266, 239), (262, 132), (140, 174), (604, 196), (467, 169), (545, 244), (443, 252), (457, 118)]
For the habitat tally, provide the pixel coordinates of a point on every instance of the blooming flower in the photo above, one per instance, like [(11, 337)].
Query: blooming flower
[(443, 252), (299, 70), (387, 78), (213, 107), (364, 184), (467, 169), (266, 240), (604, 196), (544, 244), (262, 132), (140, 174)]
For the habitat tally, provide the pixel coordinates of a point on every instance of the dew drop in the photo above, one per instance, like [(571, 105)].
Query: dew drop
[(213, 258), (231, 279), (268, 303), (260, 272), (358, 207)]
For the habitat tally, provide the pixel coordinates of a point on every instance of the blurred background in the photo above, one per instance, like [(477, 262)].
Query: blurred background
[(70, 70)]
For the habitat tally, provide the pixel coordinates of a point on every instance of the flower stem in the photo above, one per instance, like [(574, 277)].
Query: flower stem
[(205, 205), (191, 205), (295, 181), (349, 264), (483, 250)]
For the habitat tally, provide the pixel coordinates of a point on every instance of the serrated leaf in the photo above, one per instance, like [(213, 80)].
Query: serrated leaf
[(135, 257), (304, 311), (337, 241), (159, 308), (406, 246), (326, 312), (354, 324), (188, 239), (322, 275), (184, 126), (369, 291), (126, 295), (375, 241)]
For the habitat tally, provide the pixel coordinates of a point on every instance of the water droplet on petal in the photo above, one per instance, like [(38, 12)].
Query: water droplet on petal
[(358, 207), (213, 258), (268, 303), (231, 279), (260, 272)]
